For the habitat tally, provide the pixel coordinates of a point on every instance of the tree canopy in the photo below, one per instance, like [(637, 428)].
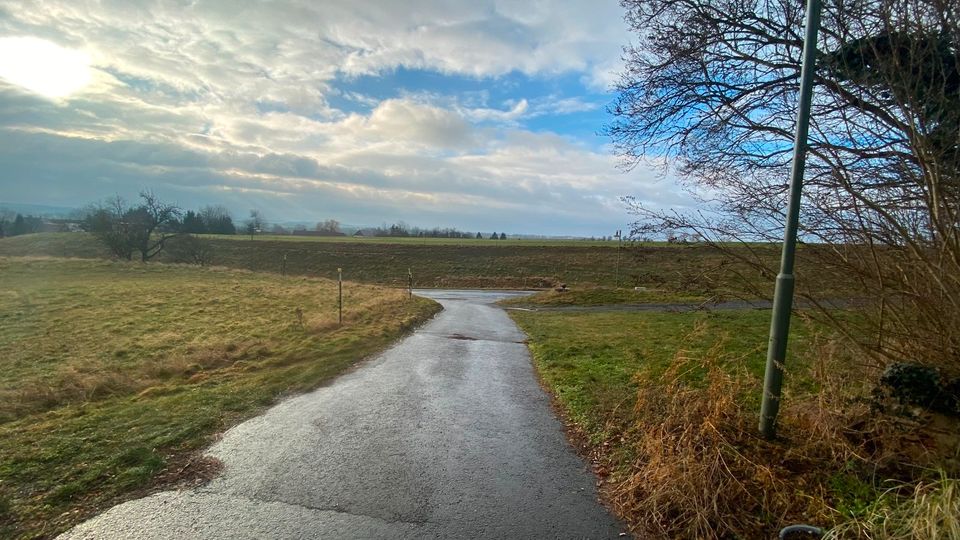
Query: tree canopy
[(710, 88), (142, 229)]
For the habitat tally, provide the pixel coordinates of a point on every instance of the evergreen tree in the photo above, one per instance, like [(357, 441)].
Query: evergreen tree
[(193, 223), (19, 226)]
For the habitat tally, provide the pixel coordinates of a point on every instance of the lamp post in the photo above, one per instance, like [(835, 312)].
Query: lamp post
[(783, 293)]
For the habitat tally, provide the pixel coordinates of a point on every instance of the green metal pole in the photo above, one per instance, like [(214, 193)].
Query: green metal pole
[(783, 293)]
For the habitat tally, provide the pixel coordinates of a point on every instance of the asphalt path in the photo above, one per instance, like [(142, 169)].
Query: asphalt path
[(445, 435)]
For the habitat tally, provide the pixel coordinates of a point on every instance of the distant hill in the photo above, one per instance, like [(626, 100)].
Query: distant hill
[(41, 210)]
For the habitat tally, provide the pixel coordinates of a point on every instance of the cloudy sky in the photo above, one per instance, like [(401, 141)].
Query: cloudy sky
[(471, 114)]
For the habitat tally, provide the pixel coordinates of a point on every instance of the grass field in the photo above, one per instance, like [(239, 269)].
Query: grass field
[(603, 296), (113, 374), (410, 240), (595, 361), (438, 263)]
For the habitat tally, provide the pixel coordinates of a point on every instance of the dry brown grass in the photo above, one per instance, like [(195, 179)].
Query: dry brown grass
[(693, 474), (698, 469), (82, 331), (112, 373)]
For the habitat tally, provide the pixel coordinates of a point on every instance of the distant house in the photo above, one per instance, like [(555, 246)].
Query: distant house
[(358, 233), (59, 225)]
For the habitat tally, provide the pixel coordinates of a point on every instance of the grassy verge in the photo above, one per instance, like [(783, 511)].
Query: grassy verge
[(667, 403), (112, 374), (596, 361), (602, 296)]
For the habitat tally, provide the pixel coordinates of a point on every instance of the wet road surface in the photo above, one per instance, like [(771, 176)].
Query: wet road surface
[(445, 435)]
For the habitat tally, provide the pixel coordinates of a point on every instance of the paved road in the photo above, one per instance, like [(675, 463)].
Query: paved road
[(446, 435)]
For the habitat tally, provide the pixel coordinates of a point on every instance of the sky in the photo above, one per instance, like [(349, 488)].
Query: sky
[(472, 114)]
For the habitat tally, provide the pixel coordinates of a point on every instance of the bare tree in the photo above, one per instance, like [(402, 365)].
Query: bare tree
[(255, 223), (128, 230), (150, 225), (105, 222), (711, 85), (217, 220), (328, 226)]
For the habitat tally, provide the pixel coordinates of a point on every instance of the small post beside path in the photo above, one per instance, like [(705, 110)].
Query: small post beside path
[(616, 282), (409, 283), (340, 294)]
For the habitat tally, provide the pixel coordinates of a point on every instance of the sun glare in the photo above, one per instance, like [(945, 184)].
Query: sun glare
[(43, 67)]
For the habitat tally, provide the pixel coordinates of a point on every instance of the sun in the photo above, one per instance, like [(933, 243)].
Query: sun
[(43, 67)]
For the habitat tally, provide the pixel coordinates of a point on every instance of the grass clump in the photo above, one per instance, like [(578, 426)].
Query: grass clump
[(688, 476), (909, 511), (113, 375)]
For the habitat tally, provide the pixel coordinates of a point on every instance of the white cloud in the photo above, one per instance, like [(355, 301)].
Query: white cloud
[(230, 102), (215, 47), (484, 114), (533, 181), (405, 121), (555, 105)]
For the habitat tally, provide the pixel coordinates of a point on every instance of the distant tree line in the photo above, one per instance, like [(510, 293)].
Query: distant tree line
[(144, 229), (17, 224), (329, 227), (437, 232), (401, 230), (124, 228)]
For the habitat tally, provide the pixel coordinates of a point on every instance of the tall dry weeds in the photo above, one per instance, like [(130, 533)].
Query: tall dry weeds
[(700, 471)]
